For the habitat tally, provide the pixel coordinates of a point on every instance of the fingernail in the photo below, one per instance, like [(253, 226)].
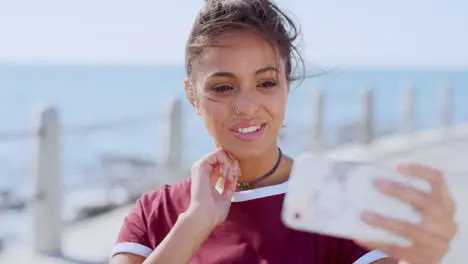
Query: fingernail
[(225, 172), (402, 166), (383, 184), (233, 173), (369, 217)]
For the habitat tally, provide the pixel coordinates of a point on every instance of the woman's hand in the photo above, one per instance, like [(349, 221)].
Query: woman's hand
[(207, 208), (208, 204), (431, 239)]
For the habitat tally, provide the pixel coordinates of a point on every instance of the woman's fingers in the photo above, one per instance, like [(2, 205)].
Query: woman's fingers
[(220, 161), (418, 199), (431, 237), (207, 171), (418, 234), (434, 177), (231, 182)]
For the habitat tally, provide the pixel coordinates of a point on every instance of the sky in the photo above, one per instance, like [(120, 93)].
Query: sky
[(385, 33)]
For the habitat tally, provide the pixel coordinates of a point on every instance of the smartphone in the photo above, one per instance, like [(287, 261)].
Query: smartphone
[(328, 196)]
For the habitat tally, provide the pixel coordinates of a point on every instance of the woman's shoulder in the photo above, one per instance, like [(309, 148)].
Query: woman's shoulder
[(168, 196), (151, 218)]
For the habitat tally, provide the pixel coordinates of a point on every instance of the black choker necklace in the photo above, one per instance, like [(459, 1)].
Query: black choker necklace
[(242, 186)]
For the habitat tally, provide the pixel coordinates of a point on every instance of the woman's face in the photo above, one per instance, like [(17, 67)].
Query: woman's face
[(240, 91)]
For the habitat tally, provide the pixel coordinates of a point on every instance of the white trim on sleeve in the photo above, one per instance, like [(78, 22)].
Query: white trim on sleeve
[(133, 248), (371, 257)]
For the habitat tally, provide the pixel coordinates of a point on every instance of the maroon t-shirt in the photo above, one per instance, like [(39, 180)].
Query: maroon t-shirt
[(252, 234)]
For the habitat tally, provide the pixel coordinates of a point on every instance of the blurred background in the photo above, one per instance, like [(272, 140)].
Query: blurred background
[(111, 69)]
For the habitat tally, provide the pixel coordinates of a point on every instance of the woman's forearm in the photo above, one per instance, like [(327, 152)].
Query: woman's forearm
[(178, 247)]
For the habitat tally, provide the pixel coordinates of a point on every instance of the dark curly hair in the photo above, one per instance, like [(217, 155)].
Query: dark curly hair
[(263, 17)]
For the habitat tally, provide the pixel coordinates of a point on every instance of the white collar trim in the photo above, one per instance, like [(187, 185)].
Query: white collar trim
[(262, 192)]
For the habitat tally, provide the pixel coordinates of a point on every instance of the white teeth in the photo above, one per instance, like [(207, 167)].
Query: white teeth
[(248, 129)]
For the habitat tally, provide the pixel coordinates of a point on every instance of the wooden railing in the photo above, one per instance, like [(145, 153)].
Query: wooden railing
[(47, 179)]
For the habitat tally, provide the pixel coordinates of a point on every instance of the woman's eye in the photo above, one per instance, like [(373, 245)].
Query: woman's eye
[(268, 84), (223, 88)]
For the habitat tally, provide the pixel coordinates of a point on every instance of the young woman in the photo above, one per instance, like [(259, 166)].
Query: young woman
[(240, 64)]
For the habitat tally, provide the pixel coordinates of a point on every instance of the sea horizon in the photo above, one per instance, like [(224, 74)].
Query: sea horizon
[(91, 94)]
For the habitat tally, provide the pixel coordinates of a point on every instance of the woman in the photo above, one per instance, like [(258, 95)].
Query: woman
[(239, 62)]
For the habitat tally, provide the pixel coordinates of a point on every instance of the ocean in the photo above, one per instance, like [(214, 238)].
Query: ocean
[(98, 94), (111, 95)]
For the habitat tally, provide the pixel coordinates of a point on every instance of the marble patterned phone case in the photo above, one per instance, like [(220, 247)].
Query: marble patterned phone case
[(327, 196)]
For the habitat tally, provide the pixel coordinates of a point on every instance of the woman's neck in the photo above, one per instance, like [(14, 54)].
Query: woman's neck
[(255, 167)]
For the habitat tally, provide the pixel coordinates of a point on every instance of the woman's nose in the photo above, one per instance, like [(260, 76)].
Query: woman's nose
[(245, 104)]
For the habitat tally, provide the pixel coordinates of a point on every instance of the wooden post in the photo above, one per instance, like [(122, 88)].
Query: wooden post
[(446, 105), (318, 119), (408, 110), (46, 207), (367, 122), (174, 135)]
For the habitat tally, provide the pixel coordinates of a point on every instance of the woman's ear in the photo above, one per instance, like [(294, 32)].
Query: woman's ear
[(190, 94)]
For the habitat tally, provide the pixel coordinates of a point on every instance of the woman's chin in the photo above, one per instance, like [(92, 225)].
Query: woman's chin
[(246, 150)]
